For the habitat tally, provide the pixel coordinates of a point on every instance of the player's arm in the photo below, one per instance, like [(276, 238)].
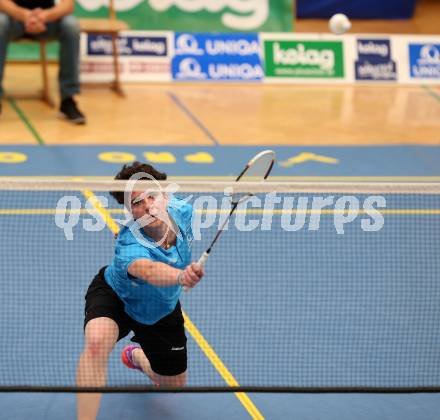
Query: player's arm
[(14, 11), (63, 8), (162, 275)]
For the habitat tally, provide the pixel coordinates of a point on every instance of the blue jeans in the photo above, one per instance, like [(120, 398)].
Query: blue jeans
[(66, 30)]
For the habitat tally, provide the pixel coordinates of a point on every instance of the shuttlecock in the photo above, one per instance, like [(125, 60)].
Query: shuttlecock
[(339, 24)]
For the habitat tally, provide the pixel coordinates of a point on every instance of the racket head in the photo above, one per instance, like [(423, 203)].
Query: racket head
[(256, 170)]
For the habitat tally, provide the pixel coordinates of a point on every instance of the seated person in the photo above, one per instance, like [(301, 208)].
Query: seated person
[(43, 19)]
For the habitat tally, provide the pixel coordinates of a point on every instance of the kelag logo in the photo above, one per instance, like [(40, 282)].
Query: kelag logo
[(424, 61), (374, 60), (139, 46), (217, 57), (304, 59)]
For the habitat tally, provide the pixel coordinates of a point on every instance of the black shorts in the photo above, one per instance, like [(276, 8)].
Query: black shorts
[(164, 343)]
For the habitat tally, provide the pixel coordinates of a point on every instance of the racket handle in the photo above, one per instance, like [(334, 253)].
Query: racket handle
[(203, 259), (202, 262)]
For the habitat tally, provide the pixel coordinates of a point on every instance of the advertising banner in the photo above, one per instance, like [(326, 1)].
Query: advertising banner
[(217, 57), (197, 15), (374, 60), (304, 59), (144, 56), (424, 61)]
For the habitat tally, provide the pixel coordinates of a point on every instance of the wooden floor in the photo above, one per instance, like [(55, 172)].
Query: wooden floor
[(206, 114), (236, 114)]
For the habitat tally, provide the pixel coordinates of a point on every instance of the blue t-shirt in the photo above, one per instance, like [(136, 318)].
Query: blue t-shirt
[(143, 301)]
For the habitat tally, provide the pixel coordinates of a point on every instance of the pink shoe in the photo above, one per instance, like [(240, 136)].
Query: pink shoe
[(127, 357)]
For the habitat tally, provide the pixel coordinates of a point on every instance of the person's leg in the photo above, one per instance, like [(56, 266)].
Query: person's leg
[(101, 335), (163, 354), (5, 26), (67, 31), (141, 360), (9, 29)]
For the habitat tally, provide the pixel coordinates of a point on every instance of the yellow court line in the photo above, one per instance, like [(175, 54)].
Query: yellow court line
[(199, 339), (221, 368), (108, 212), (94, 201)]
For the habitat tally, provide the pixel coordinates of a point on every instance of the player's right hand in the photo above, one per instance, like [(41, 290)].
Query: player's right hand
[(191, 275)]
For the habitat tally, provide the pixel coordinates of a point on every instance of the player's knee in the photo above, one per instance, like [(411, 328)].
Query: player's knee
[(69, 26), (98, 345)]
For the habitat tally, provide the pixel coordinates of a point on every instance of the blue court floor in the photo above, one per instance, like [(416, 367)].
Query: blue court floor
[(280, 308)]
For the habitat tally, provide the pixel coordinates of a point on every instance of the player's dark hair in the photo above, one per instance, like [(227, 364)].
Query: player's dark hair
[(129, 170)]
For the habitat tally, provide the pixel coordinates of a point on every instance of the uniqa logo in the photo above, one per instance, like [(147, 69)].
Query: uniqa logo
[(190, 68), (243, 71), (429, 54), (187, 44), (325, 59), (241, 47)]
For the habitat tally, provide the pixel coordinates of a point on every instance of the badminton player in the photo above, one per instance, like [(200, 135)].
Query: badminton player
[(139, 292)]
